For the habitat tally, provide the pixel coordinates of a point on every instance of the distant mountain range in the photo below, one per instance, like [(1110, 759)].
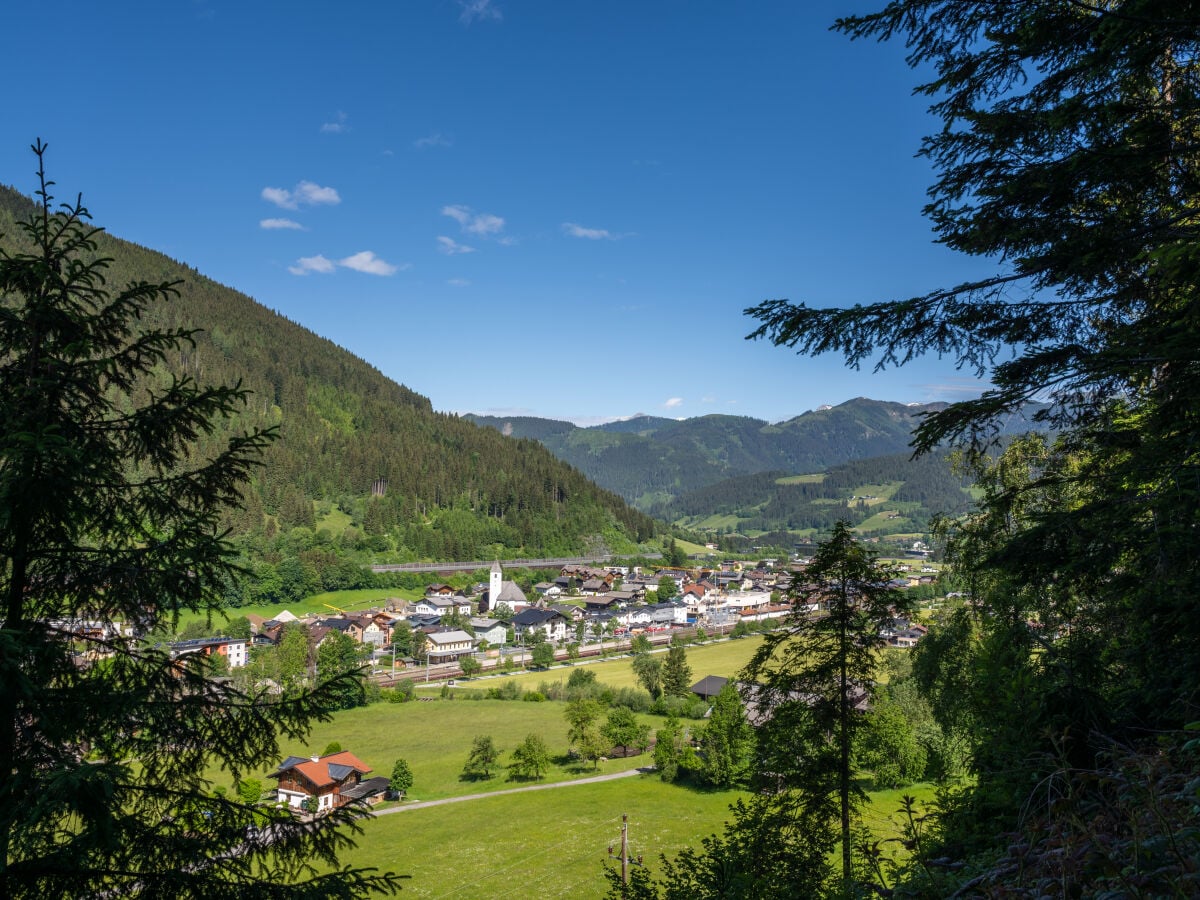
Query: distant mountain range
[(651, 461)]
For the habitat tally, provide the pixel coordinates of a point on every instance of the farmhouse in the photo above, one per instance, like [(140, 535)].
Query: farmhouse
[(333, 780)]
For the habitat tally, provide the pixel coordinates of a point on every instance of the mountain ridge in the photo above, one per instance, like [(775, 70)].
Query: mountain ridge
[(412, 482)]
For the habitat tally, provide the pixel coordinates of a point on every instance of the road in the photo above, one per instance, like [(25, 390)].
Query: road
[(421, 804), (554, 563)]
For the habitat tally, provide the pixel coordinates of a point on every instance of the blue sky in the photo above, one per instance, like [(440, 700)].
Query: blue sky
[(515, 207)]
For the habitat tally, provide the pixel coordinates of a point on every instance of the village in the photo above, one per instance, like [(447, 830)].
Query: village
[(494, 626)]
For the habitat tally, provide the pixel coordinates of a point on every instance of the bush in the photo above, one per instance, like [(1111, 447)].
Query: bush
[(506, 690), (534, 697), (680, 707), (581, 678), (632, 698)]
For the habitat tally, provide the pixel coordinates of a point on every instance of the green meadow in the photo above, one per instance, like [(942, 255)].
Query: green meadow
[(541, 843), (723, 657)]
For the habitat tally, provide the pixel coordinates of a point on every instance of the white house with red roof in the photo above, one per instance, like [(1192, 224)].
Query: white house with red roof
[(331, 779)]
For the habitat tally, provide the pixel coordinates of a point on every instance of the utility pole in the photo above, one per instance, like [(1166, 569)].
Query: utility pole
[(624, 856), (625, 850)]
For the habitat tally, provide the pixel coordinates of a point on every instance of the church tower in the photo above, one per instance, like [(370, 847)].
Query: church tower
[(495, 584)]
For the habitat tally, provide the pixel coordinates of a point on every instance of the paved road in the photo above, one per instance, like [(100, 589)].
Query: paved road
[(420, 804)]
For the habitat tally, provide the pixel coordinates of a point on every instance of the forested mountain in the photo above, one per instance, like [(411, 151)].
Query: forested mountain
[(900, 493), (354, 445), (652, 461)]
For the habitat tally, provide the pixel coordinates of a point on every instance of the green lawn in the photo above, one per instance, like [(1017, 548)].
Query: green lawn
[(554, 843), (536, 844), (723, 658), (815, 478), (548, 843), (435, 738)]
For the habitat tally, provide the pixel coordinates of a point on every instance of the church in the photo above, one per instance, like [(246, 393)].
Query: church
[(502, 592)]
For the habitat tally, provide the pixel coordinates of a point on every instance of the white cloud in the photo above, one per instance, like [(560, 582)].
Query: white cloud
[(673, 402), (306, 265), (272, 224), (306, 193), (368, 262), (478, 11), (591, 234), (437, 139), (482, 224), (458, 282), (364, 261), (451, 247), (337, 126)]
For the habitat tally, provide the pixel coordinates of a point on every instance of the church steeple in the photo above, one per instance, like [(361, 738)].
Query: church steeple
[(495, 584)]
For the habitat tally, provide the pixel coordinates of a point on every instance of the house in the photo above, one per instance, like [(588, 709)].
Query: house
[(605, 602), (550, 621), (657, 615), (439, 605), (493, 631), (448, 646), (593, 586), (708, 686), (572, 612), (548, 589), (334, 780), (235, 651)]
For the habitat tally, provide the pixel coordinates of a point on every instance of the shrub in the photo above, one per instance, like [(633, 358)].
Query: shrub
[(680, 707), (534, 697), (506, 690), (632, 698)]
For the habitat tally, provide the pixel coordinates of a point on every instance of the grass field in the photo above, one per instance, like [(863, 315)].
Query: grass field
[(536, 844), (724, 658), (554, 843), (815, 478), (545, 843)]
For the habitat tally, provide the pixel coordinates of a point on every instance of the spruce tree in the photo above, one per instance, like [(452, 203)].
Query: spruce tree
[(812, 676), (1066, 162), (111, 497), (676, 672)]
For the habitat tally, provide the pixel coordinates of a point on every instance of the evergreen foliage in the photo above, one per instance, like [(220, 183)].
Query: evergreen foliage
[(676, 671), (1067, 155), (117, 473), (811, 678)]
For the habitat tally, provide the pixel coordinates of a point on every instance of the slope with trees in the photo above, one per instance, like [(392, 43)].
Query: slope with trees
[(412, 483)]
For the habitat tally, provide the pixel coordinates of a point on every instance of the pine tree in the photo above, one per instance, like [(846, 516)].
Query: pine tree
[(676, 672), (109, 514), (812, 677)]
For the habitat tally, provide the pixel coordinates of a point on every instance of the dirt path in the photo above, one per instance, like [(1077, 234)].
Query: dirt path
[(420, 804)]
